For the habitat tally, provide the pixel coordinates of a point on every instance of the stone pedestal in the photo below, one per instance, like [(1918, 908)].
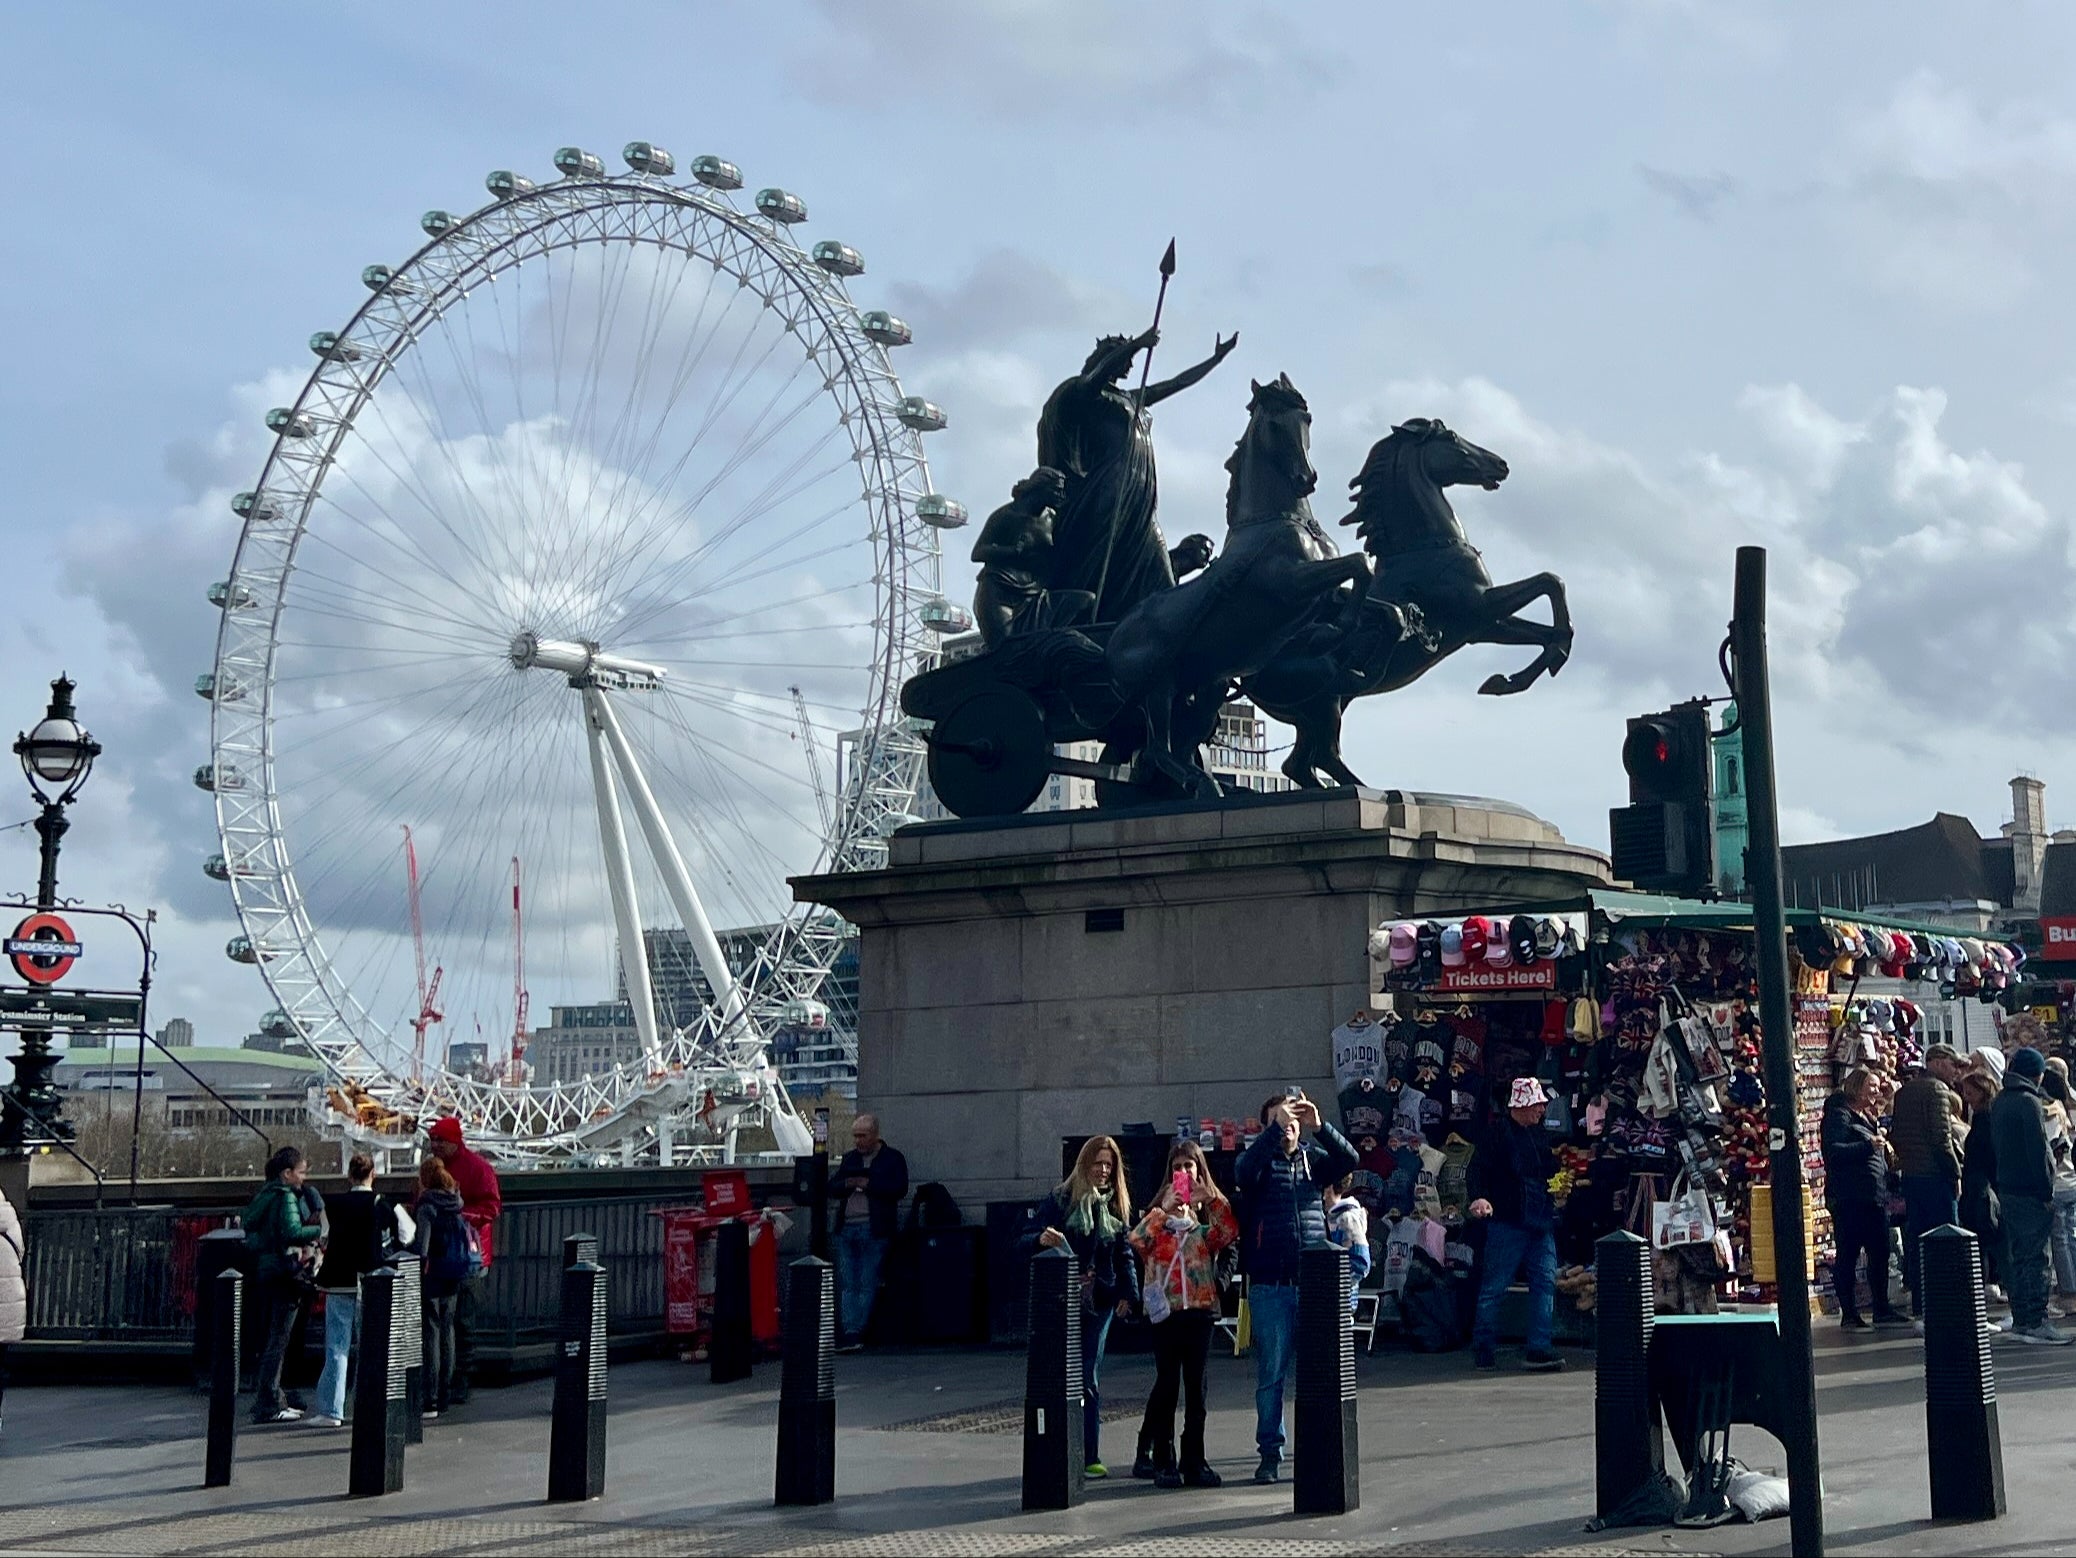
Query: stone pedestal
[(1061, 973)]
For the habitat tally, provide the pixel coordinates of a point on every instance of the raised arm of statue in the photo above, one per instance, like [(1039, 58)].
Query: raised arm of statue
[(1221, 349)]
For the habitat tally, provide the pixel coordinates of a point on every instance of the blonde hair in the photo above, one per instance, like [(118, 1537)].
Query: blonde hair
[(1190, 1152), (1981, 1082), (1859, 1082), (1083, 1179)]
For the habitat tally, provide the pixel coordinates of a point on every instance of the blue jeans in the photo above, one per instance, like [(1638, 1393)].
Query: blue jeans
[(1929, 1201), (858, 1257), (341, 1329), (1095, 1331), (1272, 1318), (1508, 1248)]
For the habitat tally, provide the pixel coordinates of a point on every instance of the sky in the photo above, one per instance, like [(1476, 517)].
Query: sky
[(1705, 275)]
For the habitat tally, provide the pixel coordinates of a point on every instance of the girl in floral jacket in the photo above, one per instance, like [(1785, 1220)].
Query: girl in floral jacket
[(1178, 1241)]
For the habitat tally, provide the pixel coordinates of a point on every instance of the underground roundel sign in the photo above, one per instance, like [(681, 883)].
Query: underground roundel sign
[(43, 949)]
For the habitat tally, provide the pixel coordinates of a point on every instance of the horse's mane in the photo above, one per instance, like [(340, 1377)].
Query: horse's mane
[(1382, 479), (1276, 396)]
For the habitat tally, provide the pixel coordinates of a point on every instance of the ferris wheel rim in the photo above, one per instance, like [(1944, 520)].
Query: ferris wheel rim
[(270, 905)]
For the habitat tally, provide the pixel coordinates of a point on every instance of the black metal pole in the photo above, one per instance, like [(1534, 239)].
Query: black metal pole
[(51, 824), (225, 1345), (577, 1421), (1964, 1444), (806, 1449), (1054, 1462), (818, 1203), (410, 1300), (1754, 694), (1326, 1453), (375, 1459), (729, 1347)]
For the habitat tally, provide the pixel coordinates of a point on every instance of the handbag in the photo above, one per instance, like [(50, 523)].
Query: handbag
[(1658, 1091), (1154, 1294), (1688, 1217)]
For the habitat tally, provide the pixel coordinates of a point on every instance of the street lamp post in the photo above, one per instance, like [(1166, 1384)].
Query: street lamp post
[(57, 755)]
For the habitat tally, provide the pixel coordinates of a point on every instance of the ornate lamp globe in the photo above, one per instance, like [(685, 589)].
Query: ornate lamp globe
[(58, 753)]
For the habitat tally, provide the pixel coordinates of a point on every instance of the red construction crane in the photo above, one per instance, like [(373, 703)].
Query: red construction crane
[(516, 1073), (428, 994)]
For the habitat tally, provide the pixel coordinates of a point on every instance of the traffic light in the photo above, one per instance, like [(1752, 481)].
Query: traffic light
[(1664, 840)]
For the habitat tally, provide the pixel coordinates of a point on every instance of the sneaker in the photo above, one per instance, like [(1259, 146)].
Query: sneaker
[(1855, 1323), (1540, 1360), (2045, 1335), (1485, 1359), (2056, 1312), (1167, 1477), (1892, 1317), (850, 1346), (1095, 1471), (1995, 1293), (1143, 1468), (2006, 1324), (323, 1420), (1269, 1469), (278, 1415), (1203, 1477), (430, 1415)]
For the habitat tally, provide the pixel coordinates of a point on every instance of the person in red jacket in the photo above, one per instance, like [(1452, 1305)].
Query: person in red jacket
[(481, 1201)]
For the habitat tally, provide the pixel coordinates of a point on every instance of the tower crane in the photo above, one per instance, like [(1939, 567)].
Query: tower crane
[(824, 801), (428, 993)]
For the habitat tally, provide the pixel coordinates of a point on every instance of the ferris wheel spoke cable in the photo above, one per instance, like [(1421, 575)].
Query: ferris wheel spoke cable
[(402, 540), (357, 560)]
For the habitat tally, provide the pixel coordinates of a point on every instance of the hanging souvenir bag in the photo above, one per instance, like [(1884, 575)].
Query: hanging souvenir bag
[(1688, 1217), (1658, 1090)]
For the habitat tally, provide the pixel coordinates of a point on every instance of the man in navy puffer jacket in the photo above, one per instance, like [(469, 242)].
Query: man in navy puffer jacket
[(1281, 1211)]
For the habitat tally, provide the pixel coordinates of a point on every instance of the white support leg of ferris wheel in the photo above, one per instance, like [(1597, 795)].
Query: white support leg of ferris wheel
[(619, 870), (706, 946)]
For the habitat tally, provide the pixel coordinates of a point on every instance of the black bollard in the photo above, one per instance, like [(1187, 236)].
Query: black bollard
[(1629, 1482), (577, 1429), (811, 1190), (1326, 1470), (410, 1295), (1961, 1433), (807, 1386), (728, 1345), (376, 1458), (226, 1334), (1055, 1461), (580, 1249)]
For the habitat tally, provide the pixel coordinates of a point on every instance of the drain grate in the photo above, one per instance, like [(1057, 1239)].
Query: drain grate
[(990, 1417)]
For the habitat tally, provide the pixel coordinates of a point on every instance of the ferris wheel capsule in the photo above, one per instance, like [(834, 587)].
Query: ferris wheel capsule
[(883, 327), (277, 1024), (507, 185), (289, 424), (213, 777), (839, 259), (781, 206), (942, 616), (922, 415), (644, 157), (255, 507), (939, 512), (333, 347), (225, 690), (225, 596), (716, 172), (577, 163), (437, 224), (243, 949)]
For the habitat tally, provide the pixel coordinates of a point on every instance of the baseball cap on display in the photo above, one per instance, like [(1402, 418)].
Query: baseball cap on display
[(1452, 946), (1499, 951), (1428, 940), (1549, 938), (1405, 949), (1521, 939), (1477, 935)]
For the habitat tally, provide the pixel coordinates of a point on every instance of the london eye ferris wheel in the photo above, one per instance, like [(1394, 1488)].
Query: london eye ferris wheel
[(567, 619)]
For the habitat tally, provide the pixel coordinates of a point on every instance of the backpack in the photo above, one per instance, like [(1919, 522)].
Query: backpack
[(453, 1251), (934, 1207)]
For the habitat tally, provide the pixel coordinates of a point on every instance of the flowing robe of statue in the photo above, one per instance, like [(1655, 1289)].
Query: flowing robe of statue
[(1095, 435)]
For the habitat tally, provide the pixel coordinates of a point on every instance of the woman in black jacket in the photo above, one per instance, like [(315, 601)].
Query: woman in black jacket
[(1856, 1188), (1980, 1211), (1091, 1214)]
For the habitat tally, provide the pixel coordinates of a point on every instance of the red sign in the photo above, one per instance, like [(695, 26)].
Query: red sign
[(2058, 938), (1537, 976), (682, 1227), (43, 949)]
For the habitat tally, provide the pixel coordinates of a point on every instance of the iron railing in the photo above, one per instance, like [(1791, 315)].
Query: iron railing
[(128, 1273)]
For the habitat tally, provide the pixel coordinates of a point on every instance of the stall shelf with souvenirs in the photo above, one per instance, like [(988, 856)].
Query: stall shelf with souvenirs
[(1638, 1014)]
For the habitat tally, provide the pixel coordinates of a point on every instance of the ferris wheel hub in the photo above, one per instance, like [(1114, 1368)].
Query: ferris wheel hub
[(586, 665)]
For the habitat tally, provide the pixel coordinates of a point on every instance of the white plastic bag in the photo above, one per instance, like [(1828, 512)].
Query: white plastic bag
[(1687, 1216)]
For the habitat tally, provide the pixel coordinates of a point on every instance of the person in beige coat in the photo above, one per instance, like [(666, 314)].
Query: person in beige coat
[(14, 1290)]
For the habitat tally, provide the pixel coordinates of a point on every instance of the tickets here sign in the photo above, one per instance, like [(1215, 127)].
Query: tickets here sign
[(1537, 976)]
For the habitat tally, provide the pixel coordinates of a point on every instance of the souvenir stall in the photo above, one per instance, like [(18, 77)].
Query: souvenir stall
[(1639, 1015)]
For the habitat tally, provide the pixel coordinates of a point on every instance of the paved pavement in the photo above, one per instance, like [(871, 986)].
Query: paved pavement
[(929, 1462)]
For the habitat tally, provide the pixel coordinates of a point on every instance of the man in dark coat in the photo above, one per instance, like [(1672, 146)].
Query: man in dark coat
[(1510, 1193), (868, 1187), (2025, 1193), (1925, 1128), (1281, 1178)]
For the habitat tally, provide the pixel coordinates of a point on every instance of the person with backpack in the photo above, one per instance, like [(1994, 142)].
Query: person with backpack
[(449, 1247), (868, 1188), (481, 1202), (281, 1240), (360, 1226), (1179, 1241), (1090, 1215), (1281, 1176)]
